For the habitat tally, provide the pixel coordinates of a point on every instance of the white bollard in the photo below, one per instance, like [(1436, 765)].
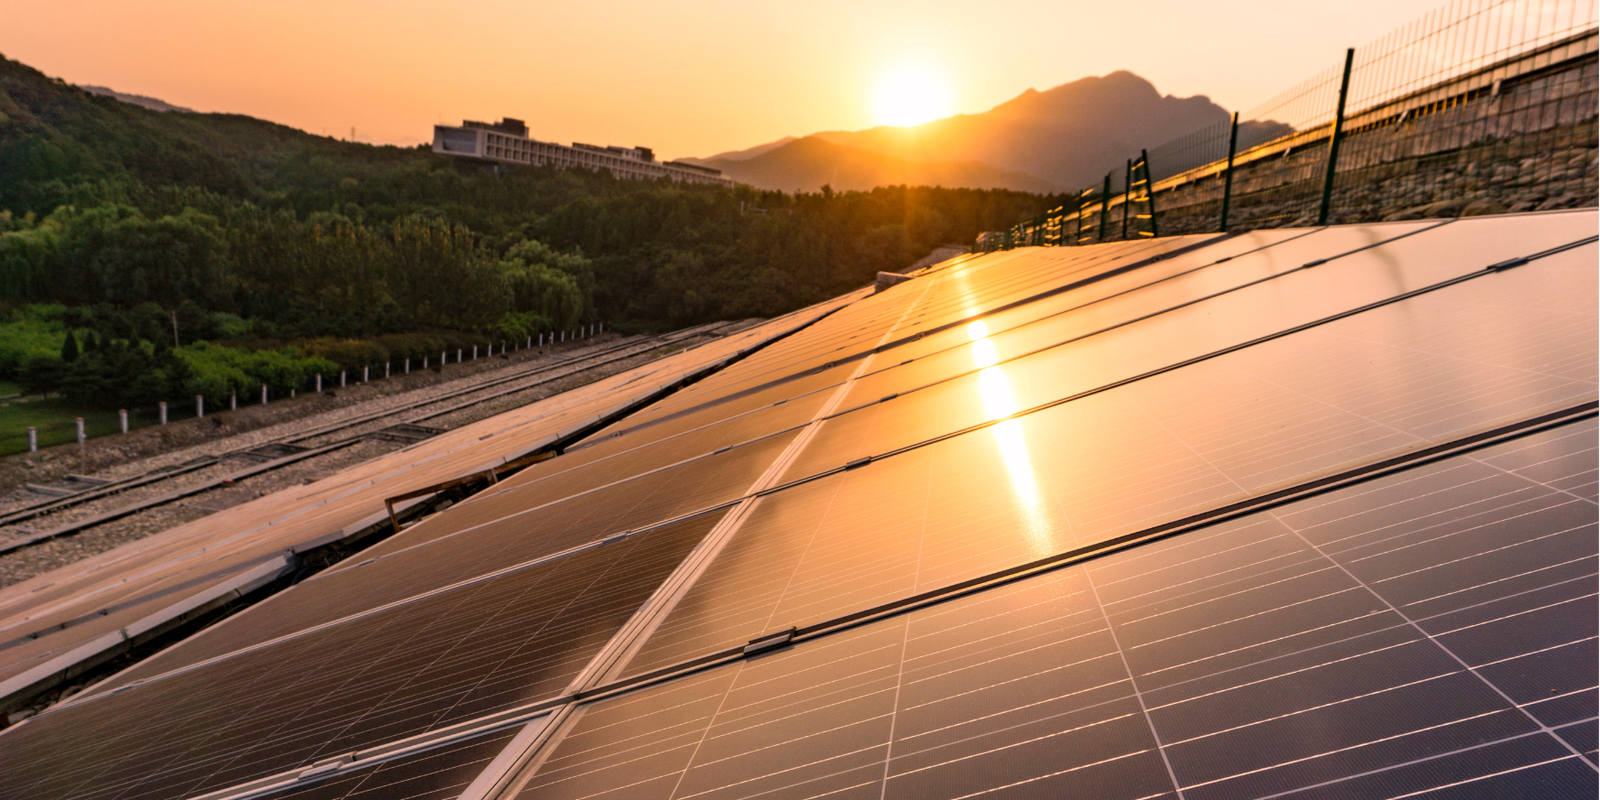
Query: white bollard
[(341, 378), (364, 374), (263, 394), (122, 416), (474, 352), (199, 405), (319, 383), (163, 412), (530, 341), (33, 439), (233, 402), (81, 435)]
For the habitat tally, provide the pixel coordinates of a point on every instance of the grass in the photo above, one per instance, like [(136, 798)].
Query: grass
[(54, 417)]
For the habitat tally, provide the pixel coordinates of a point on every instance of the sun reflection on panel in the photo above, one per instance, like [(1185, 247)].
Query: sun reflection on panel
[(994, 389)]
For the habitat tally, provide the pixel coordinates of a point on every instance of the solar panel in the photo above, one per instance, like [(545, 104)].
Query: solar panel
[(1249, 658), (1288, 513), (1247, 423), (418, 666), (441, 773)]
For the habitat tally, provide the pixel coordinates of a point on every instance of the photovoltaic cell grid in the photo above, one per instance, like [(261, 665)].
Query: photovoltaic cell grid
[(1427, 631), (1532, 349), (1250, 422), (438, 774)]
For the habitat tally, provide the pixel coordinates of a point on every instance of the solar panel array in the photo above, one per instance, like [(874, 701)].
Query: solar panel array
[(52, 622), (1285, 513)]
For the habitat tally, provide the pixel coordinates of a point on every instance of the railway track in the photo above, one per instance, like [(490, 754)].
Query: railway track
[(398, 424)]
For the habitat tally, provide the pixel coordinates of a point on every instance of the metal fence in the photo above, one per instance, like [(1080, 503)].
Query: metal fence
[(56, 423), (1482, 106)]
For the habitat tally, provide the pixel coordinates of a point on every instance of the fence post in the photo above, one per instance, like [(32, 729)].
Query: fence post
[(1127, 197), (122, 416), (199, 405), (33, 439), (364, 374), (1227, 173), (1149, 192), (1105, 208), (163, 412), (81, 435), (233, 402), (474, 352), (1333, 139), (408, 366), (263, 394), (319, 382)]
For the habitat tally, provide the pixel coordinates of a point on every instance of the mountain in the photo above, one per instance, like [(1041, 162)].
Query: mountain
[(136, 99), (807, 164), (1063, 138), (747, 153)]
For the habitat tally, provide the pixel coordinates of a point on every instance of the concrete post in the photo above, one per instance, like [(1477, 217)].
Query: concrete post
[(233, 402), (541, 340), (364, 374), (199, 405), (386, 370), (263, 394), (342, 378), (33, 439), (459, 351), (408, 366), (319, 382), (424, 362), (81, 434), (474, 352), (530, 341), (163, 412), (122, 416)]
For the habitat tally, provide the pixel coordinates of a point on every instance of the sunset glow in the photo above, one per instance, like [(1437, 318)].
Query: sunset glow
[(911, 95)]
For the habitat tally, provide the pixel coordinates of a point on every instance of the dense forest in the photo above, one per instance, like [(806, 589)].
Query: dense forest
[(177, 253)]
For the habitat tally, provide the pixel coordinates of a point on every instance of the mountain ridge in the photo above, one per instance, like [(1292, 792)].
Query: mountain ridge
[(1065, 137)]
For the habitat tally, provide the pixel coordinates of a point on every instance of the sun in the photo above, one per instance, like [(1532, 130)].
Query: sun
[(910, 95)]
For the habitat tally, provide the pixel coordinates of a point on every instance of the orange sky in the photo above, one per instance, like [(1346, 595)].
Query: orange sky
[(686, 78)]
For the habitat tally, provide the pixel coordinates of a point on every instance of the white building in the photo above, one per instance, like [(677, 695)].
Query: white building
[(507, 142)]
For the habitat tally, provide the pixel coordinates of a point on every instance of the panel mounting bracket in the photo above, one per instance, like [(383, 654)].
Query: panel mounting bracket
[(771, 641)]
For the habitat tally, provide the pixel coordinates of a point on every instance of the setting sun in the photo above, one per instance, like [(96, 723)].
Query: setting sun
[(911, 95)]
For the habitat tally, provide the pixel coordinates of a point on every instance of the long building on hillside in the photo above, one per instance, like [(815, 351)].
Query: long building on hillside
[(507, 142)]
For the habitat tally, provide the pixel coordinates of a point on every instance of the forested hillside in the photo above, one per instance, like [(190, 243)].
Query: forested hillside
[(260, 236)]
